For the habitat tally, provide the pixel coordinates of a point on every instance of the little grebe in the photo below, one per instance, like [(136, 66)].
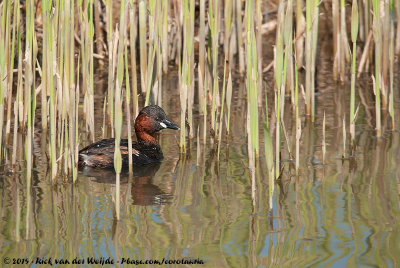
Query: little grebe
[(146, 150)]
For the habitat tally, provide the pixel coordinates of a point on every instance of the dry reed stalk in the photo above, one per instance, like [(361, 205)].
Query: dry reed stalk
[(99, 33), (87, 32), (300, 29), (397, 42), (336, 38), (154, 36), (29, 88), (385, 24), (71, 89), (10, 66), (239, 29), (365, 54), (202, 58), (377, 108), (214, 28), (165, 41), (343, 34), (49, 55), (323, 140)]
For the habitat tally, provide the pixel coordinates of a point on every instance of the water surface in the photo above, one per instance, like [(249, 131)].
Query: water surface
[(345, 212)]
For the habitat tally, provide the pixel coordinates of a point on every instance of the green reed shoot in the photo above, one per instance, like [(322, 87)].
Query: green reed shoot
[(279, 69), (269, 159), (286, 139), (187, 70), (111, 67), (133, 35), (228, 101), (190, 75), (344, 138), (354, 33), (128, 111), (298, 122), (142, 44), (312, 17), (2, 76), (221, 115), (165, 41), (205, 107), (213, 12), (377, 108), (198, 149), (72, 89), (118, 106), (159, 56), (153, 48), (391, 64), (377, 79), (18, 108), (396, 5), (252, 81), (75, 123)]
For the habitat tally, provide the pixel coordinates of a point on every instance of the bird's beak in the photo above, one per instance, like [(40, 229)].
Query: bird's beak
[(168, 124)]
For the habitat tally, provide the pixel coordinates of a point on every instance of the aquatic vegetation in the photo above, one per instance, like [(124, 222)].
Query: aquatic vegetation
[(264, 168), (55, 61)]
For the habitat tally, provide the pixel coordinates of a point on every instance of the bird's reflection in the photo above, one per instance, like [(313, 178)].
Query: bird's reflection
[(143, 191)]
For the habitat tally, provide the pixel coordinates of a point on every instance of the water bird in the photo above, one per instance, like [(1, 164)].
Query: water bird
[(146, 150)]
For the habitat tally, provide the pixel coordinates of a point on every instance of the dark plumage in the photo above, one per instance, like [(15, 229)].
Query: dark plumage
[(146, 150)]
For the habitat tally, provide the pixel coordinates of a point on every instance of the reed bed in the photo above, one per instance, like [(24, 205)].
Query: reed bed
[(64, 34)]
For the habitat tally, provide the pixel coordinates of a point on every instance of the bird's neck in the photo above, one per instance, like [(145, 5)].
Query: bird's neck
[(145, 137)]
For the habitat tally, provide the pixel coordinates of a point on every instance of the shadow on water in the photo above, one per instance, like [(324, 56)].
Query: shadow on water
[(144, 192)]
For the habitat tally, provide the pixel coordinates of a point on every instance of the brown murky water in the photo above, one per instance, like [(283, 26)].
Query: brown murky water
[(343, 213)]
